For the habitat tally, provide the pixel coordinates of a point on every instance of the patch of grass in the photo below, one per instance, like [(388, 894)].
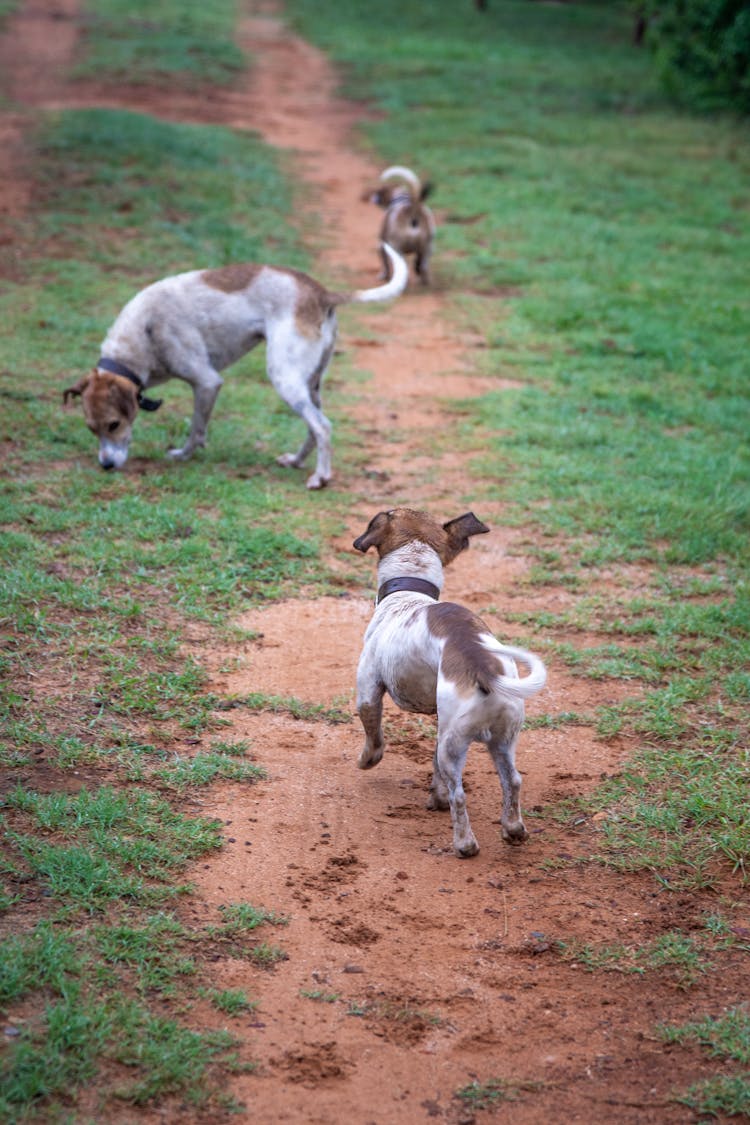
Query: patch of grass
[(175, 40), (682, 956), (297, 708), (243, 917), (680, 813), (231, 1001), (44, 959), (494, 1091), (203, 769), (725, 1037), (169, 1058), (320, 994), (265, 956), (123, 844), (153, 951), (55, 1055)]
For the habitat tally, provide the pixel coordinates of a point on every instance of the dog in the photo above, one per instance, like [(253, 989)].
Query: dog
[(409, 224), (193, 325), (438, 657)]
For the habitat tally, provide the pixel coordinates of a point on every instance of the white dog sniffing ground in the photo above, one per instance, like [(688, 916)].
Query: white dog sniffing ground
[(193, 325)]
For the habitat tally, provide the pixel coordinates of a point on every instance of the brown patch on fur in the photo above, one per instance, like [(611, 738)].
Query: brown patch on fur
[(233, 278), (314, 304), (466, 661), (387, 531)]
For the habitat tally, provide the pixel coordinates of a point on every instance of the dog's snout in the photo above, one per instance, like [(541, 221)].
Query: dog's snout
[(107, 464)]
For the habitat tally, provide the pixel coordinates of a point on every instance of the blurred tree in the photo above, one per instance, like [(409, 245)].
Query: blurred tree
[(702, 49)]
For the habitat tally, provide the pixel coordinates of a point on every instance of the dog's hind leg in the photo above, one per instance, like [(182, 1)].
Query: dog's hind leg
[(438, 798), (303, 396), (503, 753), (422, 266), (450, 758)]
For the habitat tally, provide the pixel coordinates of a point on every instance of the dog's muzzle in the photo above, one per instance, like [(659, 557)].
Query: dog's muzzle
[(112, 455)]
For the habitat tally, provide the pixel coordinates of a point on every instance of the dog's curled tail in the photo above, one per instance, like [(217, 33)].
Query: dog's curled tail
[(392, 288), (530, 684), (399, 172)]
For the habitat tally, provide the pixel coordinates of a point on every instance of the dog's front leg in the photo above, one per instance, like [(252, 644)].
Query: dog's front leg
[(204, 397), (504, 756), (370, 693), (450, 758)]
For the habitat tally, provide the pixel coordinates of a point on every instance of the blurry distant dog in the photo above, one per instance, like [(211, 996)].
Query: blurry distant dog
[(433, 656), (408, 225), (193, 325)]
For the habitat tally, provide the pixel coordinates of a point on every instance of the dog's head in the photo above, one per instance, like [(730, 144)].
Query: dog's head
[(110, 404), (387, 531)]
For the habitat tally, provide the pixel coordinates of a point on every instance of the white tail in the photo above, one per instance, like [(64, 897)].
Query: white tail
[(398, 171), (530, 684), (392, 288)]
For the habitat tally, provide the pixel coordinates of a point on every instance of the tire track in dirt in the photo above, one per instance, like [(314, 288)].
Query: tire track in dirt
[(441, 970)]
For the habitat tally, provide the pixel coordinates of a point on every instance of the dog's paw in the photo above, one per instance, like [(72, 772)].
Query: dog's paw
[(438, 801), (466, 848), (369, 758), (288, 460), (179, 454), (316, 481), (515, 835)]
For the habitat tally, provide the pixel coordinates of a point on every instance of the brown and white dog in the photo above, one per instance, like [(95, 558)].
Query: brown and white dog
[(438, 657), (193, 325), (409, 224)]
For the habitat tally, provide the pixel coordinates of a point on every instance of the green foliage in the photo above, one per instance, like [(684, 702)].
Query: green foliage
[(703, 50)]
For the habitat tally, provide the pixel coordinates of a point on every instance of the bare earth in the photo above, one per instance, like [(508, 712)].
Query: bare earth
[(442, 970)]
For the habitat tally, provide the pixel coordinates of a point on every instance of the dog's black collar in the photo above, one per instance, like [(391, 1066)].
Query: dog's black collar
[(413, 585), (116, 368)]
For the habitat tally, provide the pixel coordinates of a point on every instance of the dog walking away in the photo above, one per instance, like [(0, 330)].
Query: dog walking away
[(438, 657), (193, 325), (408, 224)]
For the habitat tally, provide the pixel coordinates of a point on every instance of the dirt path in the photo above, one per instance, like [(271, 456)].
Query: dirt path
[(409, 973)]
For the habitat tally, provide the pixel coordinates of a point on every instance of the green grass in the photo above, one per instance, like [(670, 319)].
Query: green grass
[(242, 917), (683, 957), (231, 1001), (154, 42), (493, 1092), (727, 1038)]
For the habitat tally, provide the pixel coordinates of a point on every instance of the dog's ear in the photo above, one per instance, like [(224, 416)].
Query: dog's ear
[(427, 189), (373, 534), (459, 531), (77, 389)]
